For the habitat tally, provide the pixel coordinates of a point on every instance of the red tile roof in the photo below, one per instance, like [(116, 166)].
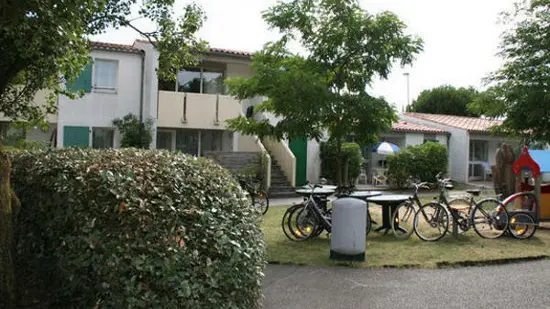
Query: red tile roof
[(231, 52), (404, 126), (225, 51), (112, 46), (470, 124)]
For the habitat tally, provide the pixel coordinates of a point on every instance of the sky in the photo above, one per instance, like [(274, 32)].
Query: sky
[(461, 38)]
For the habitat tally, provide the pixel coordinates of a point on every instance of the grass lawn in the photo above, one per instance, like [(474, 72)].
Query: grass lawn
[(388, 251)]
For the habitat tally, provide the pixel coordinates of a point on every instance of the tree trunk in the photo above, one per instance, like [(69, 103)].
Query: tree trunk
[(346, 172), (339, 162), (9, 209)]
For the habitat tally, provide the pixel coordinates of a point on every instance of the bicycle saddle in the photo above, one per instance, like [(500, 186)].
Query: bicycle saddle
[(474, 192)]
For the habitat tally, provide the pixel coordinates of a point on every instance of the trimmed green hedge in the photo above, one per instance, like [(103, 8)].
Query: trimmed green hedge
[(422, 162), (329, 160), (136, 229)]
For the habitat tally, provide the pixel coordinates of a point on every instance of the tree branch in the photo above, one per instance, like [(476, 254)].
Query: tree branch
[(127, 23)]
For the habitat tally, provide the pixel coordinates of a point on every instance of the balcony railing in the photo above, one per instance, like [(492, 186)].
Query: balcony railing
[(195, 110)]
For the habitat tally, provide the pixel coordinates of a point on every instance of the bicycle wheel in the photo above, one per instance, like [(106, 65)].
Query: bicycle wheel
[(522, 225), (306, 223), (431, 222), (261, 201), (285, 224), (490, 219), (402, 221)]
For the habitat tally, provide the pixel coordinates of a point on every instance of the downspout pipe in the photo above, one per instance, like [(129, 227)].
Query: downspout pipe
[(142, 52)]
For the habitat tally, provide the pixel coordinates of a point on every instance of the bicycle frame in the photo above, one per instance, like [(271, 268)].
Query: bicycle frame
[(311, 203)]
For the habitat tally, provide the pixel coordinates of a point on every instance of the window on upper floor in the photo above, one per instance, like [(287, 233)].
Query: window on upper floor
[(196, 80), (105, 74), (212, 82), (189, 80)]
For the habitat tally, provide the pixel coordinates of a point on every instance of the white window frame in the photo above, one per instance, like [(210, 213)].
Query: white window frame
[(94, 78)]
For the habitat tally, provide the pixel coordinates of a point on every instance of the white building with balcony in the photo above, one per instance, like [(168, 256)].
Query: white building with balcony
[(188, 115)]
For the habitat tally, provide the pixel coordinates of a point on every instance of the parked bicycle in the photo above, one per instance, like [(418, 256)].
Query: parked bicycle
[(403, 217), (402, 220), (488, 217), (257, 196), (311, 217)]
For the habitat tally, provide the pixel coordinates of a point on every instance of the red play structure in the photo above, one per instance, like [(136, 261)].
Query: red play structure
[(532, 197)]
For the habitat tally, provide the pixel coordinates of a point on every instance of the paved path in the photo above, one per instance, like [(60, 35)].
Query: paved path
[(522, 285)]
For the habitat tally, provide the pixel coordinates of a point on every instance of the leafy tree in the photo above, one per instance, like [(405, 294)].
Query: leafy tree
[(42, 41), (324, 89), (350, 152), (49, 40), (134, 133), (519, 92), (446, 100)]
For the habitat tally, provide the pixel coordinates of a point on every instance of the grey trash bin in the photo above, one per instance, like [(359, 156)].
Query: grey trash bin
[(347, 240)]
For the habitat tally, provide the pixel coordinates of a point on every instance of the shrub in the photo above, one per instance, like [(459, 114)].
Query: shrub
[(134, 134), (329, 160), (136, 229), (422, 162), (399, 168)]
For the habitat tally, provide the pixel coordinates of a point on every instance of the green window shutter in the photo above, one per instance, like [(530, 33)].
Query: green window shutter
[(83, 81), (76, 136)]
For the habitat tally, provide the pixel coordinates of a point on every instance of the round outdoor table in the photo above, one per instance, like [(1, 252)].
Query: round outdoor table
[(363, 195), (389, 203), (316, 191), (326, 187)]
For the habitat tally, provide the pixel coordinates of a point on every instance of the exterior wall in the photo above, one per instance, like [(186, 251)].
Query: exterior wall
[(458, 146), (150, 86), (247, 143), (98, 108), (412, 139), (313, 161)]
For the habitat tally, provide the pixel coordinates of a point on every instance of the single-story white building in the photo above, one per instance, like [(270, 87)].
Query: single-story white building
[(471, 144)]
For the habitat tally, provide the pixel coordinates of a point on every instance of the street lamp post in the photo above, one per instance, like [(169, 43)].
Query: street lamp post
[(407, 75)]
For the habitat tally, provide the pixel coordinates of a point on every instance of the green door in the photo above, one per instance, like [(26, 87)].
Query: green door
[(298, 146), (76, 136)]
